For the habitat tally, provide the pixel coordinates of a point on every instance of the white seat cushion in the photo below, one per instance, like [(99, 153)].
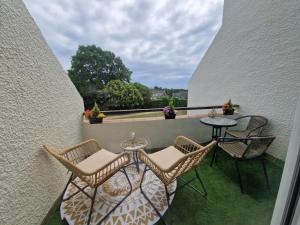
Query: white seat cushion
[(166, 157), (96, 161)]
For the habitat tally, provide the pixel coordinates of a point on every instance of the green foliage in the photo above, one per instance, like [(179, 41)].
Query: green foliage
[(96, 108), (171, 103), (101, 77), (165, 101), (123, 95), (101, 97), (180, 102), (169, 92), (92, 68), (145, 92)]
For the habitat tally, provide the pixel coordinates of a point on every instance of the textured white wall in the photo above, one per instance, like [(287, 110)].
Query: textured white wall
[(39, 104), (160, 133), (288, 174), (254, 60)]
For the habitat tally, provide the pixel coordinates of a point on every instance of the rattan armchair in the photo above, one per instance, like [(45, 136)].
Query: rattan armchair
[(240, 151), (173, 162), (254, 127), (93, 165)]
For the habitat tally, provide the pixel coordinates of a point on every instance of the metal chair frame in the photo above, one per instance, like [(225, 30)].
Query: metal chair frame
[(259, 128), (168, 195), (72, 178), (194, 154), (238, 160), (70, 157)]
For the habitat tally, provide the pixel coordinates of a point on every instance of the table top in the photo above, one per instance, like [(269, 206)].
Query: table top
[(218, 122), (134, 145)]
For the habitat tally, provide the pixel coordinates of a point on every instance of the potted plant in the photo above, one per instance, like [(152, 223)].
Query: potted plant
[(228, 108), (169, 111), (94, 115)]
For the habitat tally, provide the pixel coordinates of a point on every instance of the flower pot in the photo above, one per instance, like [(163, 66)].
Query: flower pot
[(170, 116), (94, 120), (228, 112)]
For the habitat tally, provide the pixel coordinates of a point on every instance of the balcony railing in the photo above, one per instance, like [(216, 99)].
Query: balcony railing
[(128, 111)]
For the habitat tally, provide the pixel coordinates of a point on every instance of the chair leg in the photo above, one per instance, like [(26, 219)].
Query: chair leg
[(204, 193), (146, 197), (136, 160), (92, 204), (266, 174), (69, 181), (214, 157), (167, 195), (239, 175), (122, 200)]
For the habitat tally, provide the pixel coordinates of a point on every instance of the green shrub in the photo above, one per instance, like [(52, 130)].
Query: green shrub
[(164, 101)]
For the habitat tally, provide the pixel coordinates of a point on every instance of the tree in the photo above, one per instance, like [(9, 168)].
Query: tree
[(145, 92), (169, 92), (122, 95), (92, 68)]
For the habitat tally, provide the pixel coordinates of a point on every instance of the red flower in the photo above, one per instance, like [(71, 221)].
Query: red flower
[(88, 113), (225, 106)]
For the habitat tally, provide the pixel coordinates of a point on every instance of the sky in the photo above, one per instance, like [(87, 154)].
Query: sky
[(160, 41)]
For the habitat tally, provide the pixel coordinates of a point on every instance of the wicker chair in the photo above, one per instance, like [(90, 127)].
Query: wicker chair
[(254, 127), (174, 161), (93, 165), (240, 151)]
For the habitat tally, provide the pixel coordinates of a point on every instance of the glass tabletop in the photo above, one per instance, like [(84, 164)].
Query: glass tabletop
[(218, 121), (134, 145)]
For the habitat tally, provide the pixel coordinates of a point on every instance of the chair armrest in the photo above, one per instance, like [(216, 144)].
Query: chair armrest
[(186, 145), (254, 129), (233, 139), (81, 151), (90, 141)]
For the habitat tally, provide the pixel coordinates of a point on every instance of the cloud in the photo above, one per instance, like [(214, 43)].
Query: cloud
[(161, 41)]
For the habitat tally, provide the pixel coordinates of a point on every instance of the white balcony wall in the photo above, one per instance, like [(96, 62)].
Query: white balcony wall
[(39, 105), (160, 133), (254, 60)]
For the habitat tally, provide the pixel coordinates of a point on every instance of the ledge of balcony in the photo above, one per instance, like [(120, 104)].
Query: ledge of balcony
[(109, 120)]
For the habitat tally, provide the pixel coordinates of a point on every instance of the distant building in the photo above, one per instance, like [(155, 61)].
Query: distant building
[(180, 94), (157, 93)]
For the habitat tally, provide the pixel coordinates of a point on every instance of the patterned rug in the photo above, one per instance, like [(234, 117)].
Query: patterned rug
[(135, 210)]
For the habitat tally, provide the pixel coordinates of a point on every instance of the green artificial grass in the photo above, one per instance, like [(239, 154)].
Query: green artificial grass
[(225, 204)]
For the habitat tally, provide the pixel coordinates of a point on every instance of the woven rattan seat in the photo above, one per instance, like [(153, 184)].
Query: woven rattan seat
[(235, 149), (93, 165), (173, 162), (244, 149), (166, 157), (254, 127)]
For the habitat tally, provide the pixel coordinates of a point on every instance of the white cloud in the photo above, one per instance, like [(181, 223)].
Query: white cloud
[(160, 39)]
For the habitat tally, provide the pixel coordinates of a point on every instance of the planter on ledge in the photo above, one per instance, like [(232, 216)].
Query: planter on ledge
[(228, 112), (170, 116), (95, 120)]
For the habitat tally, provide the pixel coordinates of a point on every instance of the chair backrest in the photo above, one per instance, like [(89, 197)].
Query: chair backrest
[(257, 146), (190, 160), (63, 160), (256, 124)]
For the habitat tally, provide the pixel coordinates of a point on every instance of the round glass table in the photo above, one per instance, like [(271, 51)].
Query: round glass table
[(217, 123), (133, 145)]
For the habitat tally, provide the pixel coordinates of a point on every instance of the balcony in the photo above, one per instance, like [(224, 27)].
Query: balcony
[(224, 204), (254, 60)]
